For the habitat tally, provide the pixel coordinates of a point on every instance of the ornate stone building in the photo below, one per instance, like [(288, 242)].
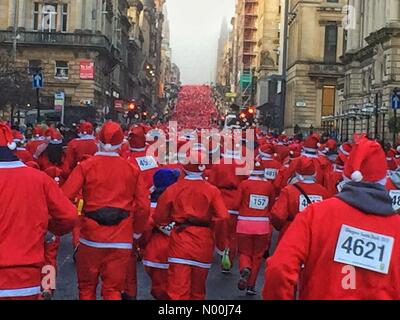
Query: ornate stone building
[(372, 67), (315, 43)]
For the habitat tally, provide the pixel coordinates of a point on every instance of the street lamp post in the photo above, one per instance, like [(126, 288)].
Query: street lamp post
[(347, 126), (384, 111), (341, 127)]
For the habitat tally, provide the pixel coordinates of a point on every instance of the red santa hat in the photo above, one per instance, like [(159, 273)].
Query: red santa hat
[(196, 163), (367, 162), (6, 137), (111, 136), (267, 151), (38, 131), (345, 149), (330, 145), (259, 169), (53, 136), (18, 136), (137, 138), (391, 160), (311, 143), (305, 169), (85, 128), (294, 151)]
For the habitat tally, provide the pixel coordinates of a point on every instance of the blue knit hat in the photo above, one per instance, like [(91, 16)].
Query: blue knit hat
[(164, 177)]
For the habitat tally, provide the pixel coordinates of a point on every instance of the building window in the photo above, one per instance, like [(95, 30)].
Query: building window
[(49, 17), (64, 18), (36, 14), (61, 70), (34, 66), (331, 34), (328, 101)]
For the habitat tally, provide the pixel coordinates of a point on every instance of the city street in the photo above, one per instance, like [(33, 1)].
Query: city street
[(219, 286)]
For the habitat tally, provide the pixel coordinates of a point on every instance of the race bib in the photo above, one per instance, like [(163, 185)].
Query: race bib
[(258, 202), (303, 201), (270, 174), (146, 163), (340, 186), (395, 195), (364, 249)]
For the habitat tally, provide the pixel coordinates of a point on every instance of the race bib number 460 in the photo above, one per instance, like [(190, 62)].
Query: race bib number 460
[(395, 195), (303, 203), (258, 202), (146, 163), (364, 249)]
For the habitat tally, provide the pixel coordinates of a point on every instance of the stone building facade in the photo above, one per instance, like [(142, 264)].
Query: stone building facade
[(315, 44), (372, 68)]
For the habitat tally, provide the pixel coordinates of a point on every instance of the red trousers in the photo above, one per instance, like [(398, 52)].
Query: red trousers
[(251, 251), (158, 282), (221, 238), (186, 282), (50, 252), (19, 278), (76, 231), (130, 287), (109, 264)]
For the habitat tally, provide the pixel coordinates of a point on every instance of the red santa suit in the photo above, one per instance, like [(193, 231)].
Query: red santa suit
[(155, 258), (21, 152), (111, 191), (272, 167), (310, 150), (291, 200), (80, 147), (37, 140), (253, 228), (194, 205), (393, 179), (147, 164), (225, 177), (333, 240), (333, 179), (22, 243), (54, 138)]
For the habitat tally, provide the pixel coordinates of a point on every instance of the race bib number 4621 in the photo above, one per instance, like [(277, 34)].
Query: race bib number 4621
[(364, 249), (146, 163), (258, 202)]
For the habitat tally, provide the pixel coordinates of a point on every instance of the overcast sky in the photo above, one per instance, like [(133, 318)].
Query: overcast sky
[(195, 26)]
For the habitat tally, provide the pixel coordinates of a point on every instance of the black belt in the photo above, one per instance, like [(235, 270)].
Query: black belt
[(180, 226), (108, 216)]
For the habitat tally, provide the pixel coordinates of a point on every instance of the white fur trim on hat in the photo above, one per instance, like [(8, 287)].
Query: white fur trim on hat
[(357, 176), (109, 147)]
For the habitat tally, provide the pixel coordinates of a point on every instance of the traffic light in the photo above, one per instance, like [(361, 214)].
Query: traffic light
[(131, 106), (251, 110), (242, 115)]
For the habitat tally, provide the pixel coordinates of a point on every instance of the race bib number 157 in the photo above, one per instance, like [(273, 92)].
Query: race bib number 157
[(258, 202), (364, 249)]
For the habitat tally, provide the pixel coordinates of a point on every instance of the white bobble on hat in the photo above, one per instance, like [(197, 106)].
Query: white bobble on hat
[(202, 167), (107, 147), (12, 145), (357, 176)]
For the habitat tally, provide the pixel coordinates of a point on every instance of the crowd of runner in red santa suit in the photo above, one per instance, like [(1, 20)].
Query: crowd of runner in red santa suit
[(226, 191)]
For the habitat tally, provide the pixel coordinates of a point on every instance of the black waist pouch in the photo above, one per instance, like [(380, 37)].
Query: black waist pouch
[(108, 216)]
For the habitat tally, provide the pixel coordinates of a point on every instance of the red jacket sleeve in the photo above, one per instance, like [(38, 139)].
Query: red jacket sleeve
[(63, 215), (141, 207), (74, 183), (280, 210), (283, 268), (164, 208)]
